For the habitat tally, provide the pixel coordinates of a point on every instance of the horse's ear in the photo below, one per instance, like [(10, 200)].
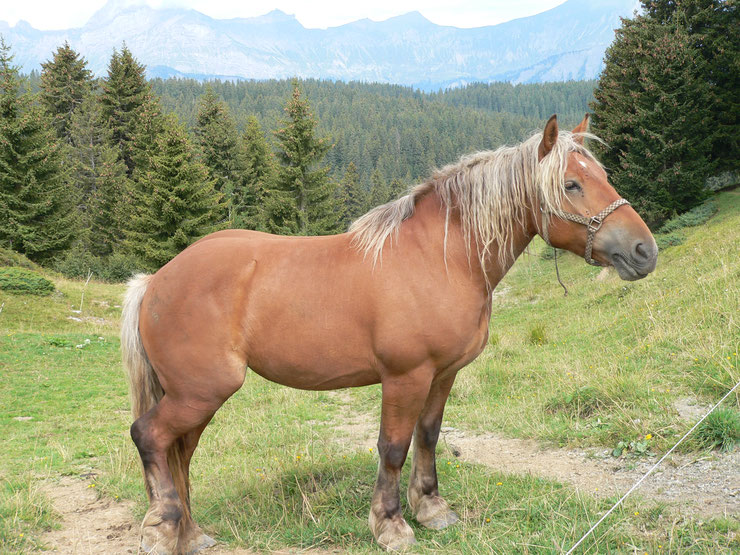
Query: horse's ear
[(582, 128), (549, 137)]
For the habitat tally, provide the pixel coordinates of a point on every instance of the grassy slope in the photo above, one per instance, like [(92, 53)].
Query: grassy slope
[(265, 475)]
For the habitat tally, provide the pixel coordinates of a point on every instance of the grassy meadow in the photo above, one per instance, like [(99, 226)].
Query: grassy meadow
[(599, 368)]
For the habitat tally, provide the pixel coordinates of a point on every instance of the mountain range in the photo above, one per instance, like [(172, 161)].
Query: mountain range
[(564, 43)]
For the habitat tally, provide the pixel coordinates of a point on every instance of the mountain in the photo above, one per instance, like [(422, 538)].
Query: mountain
[(566, 42)]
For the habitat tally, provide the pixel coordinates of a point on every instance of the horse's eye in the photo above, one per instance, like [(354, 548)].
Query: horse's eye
[(572, 186)]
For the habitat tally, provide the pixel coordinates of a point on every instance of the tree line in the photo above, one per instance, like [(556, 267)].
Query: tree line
[(119, 173)]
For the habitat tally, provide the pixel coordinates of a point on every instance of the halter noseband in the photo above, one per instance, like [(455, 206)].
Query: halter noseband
[(592, 225)]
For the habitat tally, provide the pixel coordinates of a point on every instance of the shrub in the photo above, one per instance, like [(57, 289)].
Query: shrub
[(669, 240), (721, 429), (695, 216), (23, 281), (77, 262), (118, 267)]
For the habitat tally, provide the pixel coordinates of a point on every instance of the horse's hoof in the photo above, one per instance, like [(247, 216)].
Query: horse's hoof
[(434, 512), (155, 542), (399, 544), (393, 534), (203, 541), (441, 521)]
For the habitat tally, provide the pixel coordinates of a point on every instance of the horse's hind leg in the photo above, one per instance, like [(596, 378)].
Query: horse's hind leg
[(192, 538), (403, 399), (427, 506), (166, 437)]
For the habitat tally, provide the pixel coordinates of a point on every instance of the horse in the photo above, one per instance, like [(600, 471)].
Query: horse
[(403, 299)]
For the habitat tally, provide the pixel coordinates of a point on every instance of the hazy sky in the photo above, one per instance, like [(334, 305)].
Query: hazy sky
[(56, 14)]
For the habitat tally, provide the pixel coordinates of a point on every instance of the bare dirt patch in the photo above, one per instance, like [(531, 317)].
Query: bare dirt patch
[(89, 524), (704, 485), (92, 524)]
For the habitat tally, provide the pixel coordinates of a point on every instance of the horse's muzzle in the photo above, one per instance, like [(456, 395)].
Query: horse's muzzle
[(636, 262)]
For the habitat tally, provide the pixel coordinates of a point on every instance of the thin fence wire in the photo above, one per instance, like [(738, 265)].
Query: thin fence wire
[(649, 472)]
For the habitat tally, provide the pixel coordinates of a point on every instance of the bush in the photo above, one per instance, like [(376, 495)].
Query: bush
[(725, 180), (25, 282), (695, 216), (669, 240), (77, 262), (118, 268)]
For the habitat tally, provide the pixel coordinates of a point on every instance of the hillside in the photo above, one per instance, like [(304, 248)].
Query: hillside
[(614, 362)]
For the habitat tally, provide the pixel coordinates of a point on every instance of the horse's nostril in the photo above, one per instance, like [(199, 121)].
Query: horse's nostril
[(640, 252)]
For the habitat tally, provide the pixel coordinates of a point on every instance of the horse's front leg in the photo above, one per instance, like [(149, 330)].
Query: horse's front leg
[(428, 508), (403, 399)]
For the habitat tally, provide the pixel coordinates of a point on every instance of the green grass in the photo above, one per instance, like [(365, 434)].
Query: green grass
[(602, 366)]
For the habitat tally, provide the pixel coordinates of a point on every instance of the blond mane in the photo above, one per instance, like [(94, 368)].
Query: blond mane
[(492, 190)]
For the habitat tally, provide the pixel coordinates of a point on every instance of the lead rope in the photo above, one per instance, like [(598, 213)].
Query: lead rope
[(557, 273), (546, 236), (633, 488)]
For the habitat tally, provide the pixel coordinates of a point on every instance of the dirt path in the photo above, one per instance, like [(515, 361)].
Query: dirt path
[(700, 485)]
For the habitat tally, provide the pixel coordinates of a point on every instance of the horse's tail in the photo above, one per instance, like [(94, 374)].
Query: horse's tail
[(144, 386)]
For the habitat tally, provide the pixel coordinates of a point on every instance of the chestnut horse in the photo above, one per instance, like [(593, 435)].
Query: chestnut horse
[(402, 299)]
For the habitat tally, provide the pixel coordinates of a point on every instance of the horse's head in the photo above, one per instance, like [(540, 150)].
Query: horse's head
[(592, 220)]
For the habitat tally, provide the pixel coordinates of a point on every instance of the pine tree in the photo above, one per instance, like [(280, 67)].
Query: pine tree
[(259, 172), (398, 188), (650, 105), (99, 174), (174, 202), (354, 196), (65, 82), (126, 94), (712, 26), (380, 191), (215, 134), (37, 208), (302, 200)]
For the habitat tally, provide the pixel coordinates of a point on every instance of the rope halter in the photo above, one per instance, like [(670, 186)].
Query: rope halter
[(592, 225)]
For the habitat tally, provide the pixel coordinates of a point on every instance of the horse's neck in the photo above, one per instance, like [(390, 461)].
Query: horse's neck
[(461, 253)]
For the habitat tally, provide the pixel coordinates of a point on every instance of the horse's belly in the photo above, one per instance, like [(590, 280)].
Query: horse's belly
[(314, 363), (315, 379)]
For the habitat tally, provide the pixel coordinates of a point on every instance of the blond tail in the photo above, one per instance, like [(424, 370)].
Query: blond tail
[(143, 383), (144, 386)]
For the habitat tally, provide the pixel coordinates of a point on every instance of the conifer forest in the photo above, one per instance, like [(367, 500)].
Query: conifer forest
[(119, 173)]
